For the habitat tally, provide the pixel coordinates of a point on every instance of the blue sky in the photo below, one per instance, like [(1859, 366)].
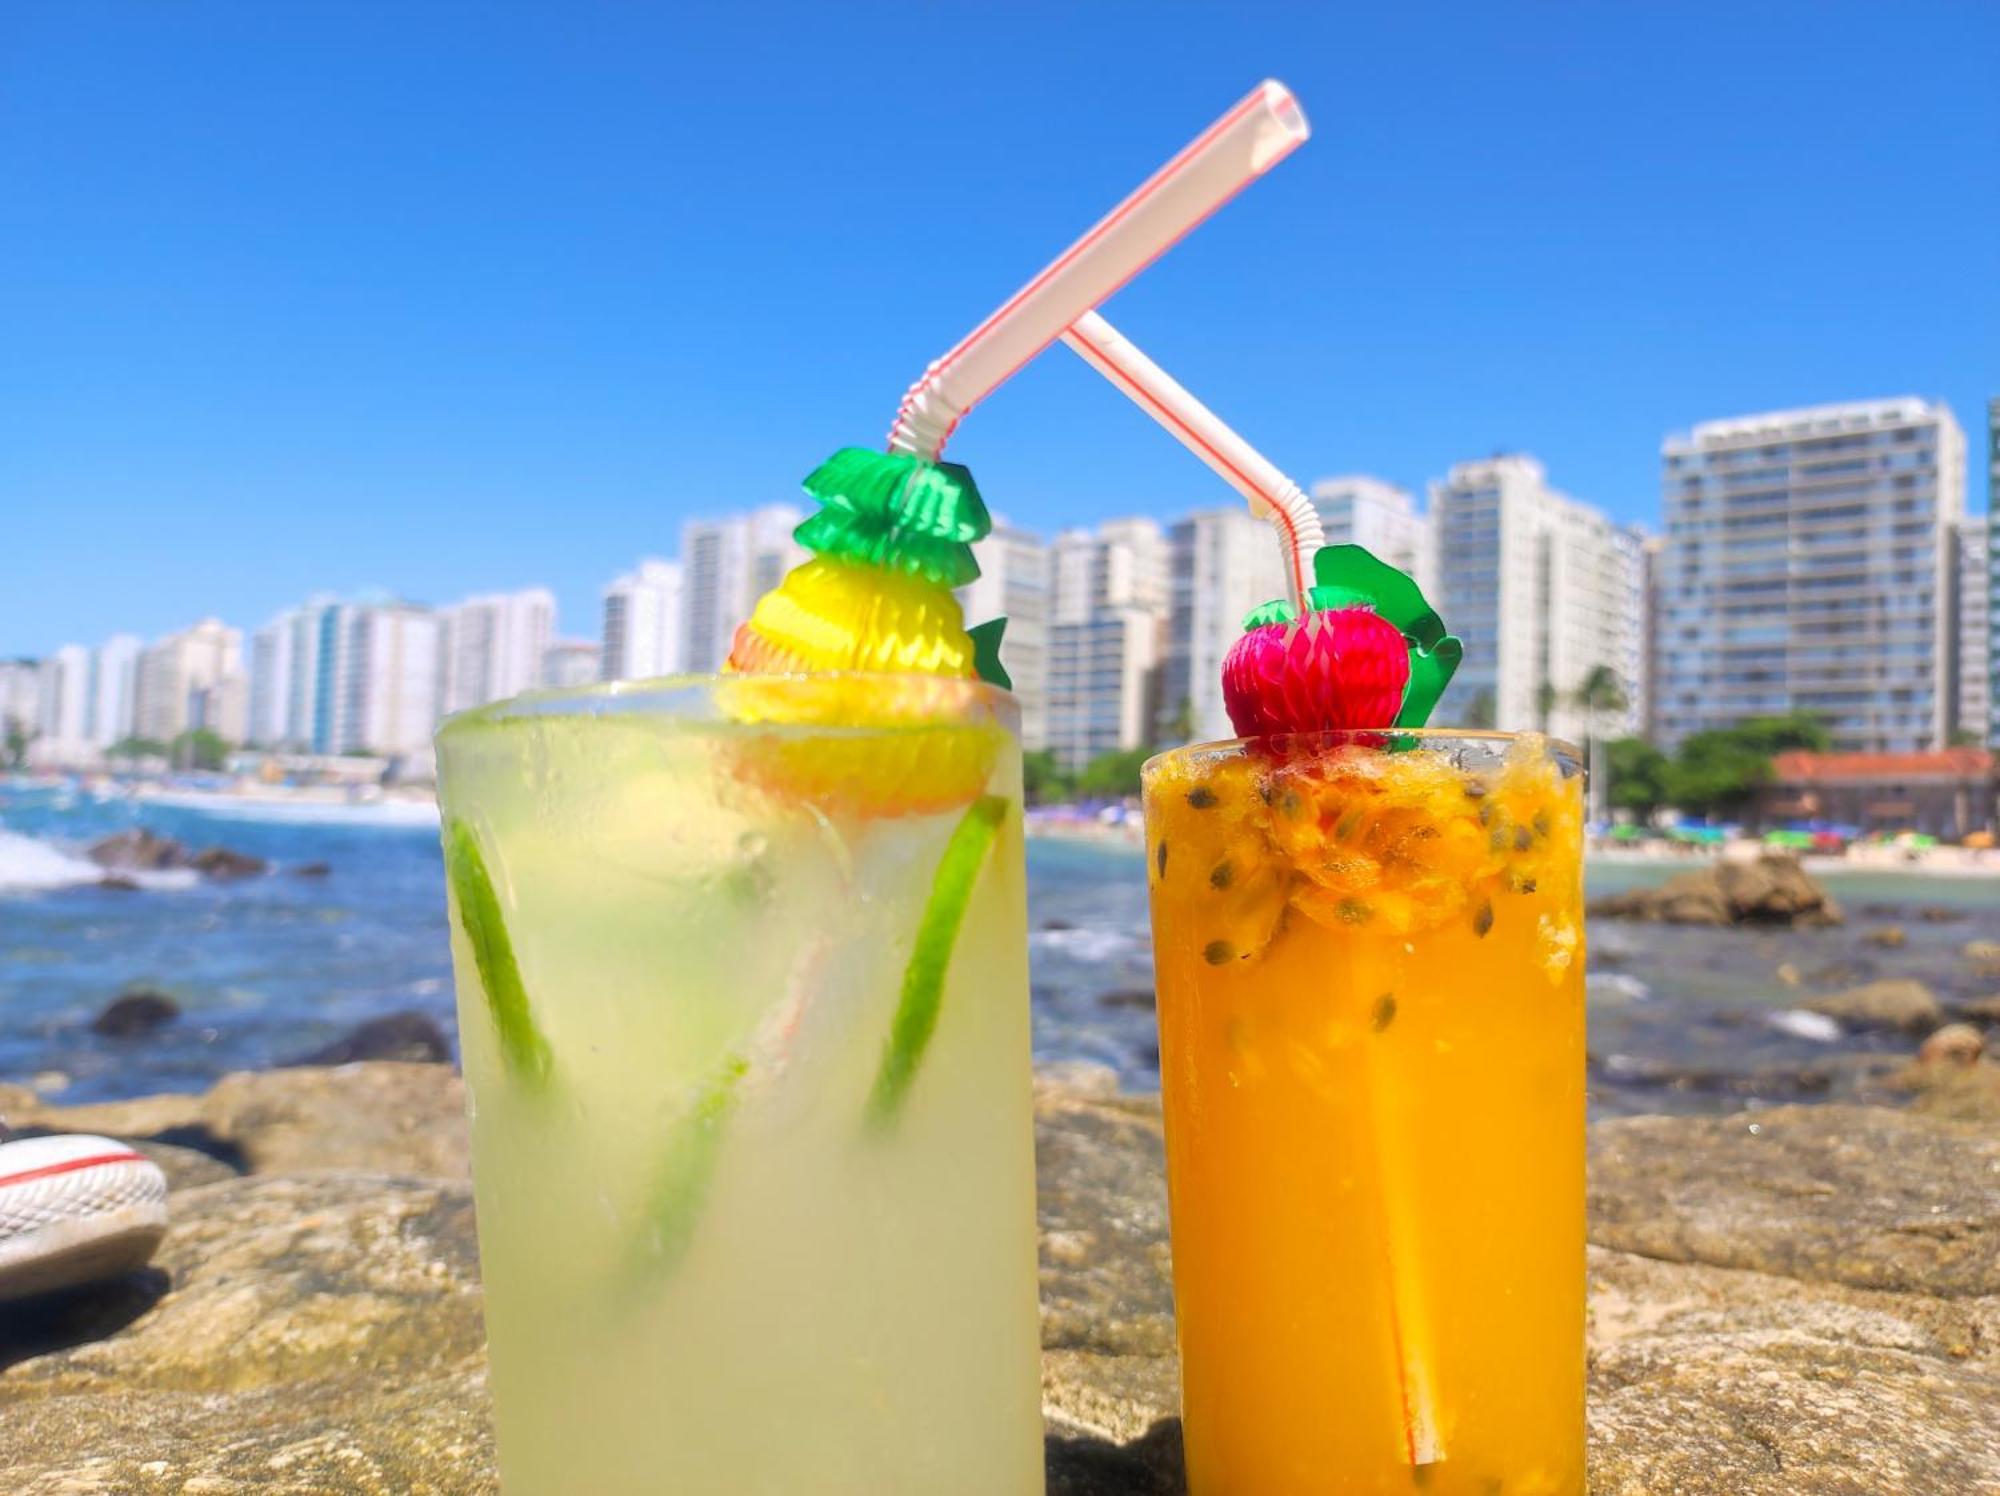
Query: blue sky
[(440, 298)]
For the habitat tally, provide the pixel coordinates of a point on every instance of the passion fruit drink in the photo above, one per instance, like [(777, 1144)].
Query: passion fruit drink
[(1370, 972), (750, 1076)]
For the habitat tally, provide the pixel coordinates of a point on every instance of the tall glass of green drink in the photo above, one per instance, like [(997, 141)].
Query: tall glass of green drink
[(742, 997)]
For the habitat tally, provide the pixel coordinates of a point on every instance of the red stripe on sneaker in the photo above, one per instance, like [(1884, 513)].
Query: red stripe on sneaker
[(95, 1160)]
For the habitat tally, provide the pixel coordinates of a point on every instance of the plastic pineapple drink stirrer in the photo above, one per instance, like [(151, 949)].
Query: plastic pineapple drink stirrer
[(1355, 646)]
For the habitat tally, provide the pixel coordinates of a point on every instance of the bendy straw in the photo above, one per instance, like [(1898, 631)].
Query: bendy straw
[(1264, 127), (1272, 495)]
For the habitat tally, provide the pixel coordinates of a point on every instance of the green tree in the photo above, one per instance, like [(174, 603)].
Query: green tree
[(1637, 772), (1546, 697), (1479, 711), (1043, 778), (1601, 695), (1720, 770), (1965, 737), (1180, 727), (1112, 776), (14, 746), (137, 747), (199, 748)]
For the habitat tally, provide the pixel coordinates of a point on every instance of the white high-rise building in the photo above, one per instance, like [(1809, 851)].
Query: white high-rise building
[(272, 649), (388, 679), (1108, 592), (644, 619), (1123, 563), (1103, 679), (1543, 590), (1013, 582), (1382, 517), (726, 565), (114, 689), (1972, 597), (64, 737), (1993, 571), (1809, 567), (573, 662), (176, 675), (1223, 563), (493, 646)]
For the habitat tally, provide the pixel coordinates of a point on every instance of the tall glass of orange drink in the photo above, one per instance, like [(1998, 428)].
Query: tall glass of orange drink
[(1370, 972)]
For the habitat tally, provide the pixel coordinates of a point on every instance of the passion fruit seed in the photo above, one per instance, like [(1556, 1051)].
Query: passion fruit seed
[(1160, 858), (1348, 824), (1218, 953), (1201, 797), (1541, 823), (1354, 911), (1222, 874), (1482, 918), (1385, 1011), (1523, 838)]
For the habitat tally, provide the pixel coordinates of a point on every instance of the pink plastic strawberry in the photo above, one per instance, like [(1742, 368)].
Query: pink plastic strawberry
[(1338, 668)]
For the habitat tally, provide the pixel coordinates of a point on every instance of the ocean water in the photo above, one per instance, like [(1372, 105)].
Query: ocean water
[(270, 968)]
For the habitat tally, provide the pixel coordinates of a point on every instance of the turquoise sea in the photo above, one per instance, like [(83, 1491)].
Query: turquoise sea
[(272, 967)]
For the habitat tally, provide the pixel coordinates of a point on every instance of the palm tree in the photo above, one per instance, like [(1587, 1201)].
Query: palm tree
[(1601, 695), (1546, 697)]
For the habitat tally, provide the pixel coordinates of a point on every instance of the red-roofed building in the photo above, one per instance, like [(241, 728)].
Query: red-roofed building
[(1949, 793)]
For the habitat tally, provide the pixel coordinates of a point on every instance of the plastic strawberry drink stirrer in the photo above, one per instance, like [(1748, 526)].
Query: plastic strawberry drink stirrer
[(1338, 654)]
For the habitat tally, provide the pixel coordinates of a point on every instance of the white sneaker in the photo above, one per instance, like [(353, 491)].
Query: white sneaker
[(74, 1209)]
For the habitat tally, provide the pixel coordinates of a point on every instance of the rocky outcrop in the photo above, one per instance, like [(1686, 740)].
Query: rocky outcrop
[(1771, 890), (1796, 1301), (143, 851), (1906, 1005), (133, 1013), (411, 1037)]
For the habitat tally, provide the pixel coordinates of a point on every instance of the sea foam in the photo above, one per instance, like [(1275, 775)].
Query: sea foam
[(29, 866)]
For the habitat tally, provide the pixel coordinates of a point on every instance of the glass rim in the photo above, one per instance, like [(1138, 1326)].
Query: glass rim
[(690, 696), (1371, 737)]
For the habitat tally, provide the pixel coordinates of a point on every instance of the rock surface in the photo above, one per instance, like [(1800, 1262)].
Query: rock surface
[(412, 1037), (1902, 1004), (131, 1014), (143, 851), (1798, 1301), (1771, 890)]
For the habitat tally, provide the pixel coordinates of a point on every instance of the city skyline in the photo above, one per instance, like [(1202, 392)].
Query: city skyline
[(460, 344), (1818, 560)]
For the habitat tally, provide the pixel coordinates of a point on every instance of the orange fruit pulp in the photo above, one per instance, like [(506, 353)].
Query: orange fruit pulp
[(1370, 976)]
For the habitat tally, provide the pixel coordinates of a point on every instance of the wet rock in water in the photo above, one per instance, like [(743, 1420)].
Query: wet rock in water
[(138, 850), (1906, 1005), (119, 882), (222, 864), (1940, 914), (1984, 956), (1788, 974), (1772, 890), (133, 1013), (312, 870), (1954, 1044), (1980, 1009), (1127, 997), (411, 1037), (1057, 924), (1889, 937)]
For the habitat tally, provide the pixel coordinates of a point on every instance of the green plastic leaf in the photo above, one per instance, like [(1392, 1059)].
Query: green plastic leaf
[(875, 542), (935, 499), (930, 959), (523, 1049), (687, 1165), (1351, 574), (986, 653)]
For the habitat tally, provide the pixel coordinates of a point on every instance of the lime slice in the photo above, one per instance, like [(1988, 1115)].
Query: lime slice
[(930, 959), (687, 1163), (523, 1050)]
